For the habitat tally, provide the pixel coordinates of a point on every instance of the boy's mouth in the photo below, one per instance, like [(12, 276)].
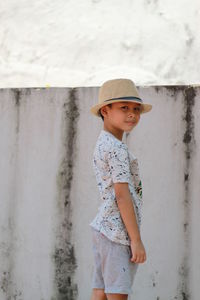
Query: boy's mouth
[(130, 122)]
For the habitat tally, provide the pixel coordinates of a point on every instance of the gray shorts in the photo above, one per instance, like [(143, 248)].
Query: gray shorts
[(113, 271)]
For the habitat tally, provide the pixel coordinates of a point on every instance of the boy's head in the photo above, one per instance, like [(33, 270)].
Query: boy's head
[(124, 115), (115, 91)]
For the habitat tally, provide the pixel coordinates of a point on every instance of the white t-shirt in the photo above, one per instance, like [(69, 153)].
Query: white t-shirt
[(113, 162)]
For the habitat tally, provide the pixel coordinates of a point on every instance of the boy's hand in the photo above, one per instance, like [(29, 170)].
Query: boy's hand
[(138, 252)]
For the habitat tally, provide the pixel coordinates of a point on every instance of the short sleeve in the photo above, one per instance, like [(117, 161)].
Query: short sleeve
[(119, 164)]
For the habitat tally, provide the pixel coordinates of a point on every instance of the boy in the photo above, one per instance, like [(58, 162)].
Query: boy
[(117, 245)]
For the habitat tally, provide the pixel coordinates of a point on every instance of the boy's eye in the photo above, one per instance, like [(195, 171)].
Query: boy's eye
[(138, 108), (125, 107)]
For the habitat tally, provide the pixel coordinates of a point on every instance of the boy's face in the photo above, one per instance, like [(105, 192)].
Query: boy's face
[(122, 115)]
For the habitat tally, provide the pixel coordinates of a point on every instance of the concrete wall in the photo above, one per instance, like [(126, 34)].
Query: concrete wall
[(48, 193)]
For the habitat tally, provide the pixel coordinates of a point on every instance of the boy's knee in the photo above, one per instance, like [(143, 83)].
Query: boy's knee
[(100, 294)]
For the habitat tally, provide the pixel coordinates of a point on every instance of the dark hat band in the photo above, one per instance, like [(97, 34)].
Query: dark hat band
[(128, 98)]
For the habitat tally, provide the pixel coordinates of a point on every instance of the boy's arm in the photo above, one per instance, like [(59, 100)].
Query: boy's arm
[(126, 208)]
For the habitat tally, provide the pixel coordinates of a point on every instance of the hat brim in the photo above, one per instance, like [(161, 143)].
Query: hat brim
[(95, 109)]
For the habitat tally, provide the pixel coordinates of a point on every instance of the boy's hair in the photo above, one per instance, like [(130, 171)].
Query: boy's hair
[(110, 105)]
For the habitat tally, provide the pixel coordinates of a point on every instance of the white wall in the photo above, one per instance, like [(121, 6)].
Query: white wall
[(85, 42), (48, 193)]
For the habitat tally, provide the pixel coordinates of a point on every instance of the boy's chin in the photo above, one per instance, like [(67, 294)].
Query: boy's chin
[(128, 130)]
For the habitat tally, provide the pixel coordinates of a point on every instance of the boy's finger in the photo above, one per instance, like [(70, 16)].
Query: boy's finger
[(133, 258), (140, 259)]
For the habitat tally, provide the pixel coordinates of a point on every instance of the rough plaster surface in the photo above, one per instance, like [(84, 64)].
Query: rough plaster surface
[(49, 193), (85, 42)]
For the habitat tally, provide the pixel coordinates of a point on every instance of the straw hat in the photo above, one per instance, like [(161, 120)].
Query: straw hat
[(117, 90)]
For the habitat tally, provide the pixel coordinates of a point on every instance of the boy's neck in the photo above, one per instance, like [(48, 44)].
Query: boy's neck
[(116, 132)]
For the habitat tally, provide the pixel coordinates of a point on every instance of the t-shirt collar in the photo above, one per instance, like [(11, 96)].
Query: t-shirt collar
[(112, 135)]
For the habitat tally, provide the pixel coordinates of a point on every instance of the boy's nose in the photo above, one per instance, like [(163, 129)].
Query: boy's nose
[(131, 115), (131, 119)]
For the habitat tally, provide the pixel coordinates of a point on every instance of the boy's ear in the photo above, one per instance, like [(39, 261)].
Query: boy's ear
[(104, 110)]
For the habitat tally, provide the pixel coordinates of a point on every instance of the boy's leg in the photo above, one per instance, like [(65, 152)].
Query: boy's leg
[(117, 296), (118, 270), (112, 264), (98, 294), (97, 278)]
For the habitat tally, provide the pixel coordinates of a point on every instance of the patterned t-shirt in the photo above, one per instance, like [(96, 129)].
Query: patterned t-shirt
[(113, 162)]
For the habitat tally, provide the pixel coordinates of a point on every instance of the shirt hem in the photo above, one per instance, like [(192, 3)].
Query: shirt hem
[(123, 242)]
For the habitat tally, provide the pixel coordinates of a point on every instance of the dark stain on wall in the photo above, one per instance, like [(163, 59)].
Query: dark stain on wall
[(17, 97), (17, 93), (172, 90), (6, 283), (186, 177), (189, 101), (189, 142), (64, 255), (8, 287), (188, 138)]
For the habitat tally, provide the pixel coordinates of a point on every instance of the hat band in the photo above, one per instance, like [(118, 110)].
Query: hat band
[(128, 98)]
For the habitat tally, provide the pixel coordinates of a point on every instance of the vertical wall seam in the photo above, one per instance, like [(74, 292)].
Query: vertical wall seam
[(64, 255), (189, 142)]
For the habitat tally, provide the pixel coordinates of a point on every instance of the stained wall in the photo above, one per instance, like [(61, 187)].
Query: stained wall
[(48, 192)]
